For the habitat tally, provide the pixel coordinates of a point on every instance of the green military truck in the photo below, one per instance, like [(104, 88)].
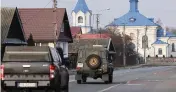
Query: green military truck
[(95, 61)]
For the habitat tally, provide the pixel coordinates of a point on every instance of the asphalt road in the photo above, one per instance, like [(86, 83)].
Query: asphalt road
[(148, 79)]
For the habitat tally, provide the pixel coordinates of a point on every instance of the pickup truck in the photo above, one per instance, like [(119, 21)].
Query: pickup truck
[(28, 68)]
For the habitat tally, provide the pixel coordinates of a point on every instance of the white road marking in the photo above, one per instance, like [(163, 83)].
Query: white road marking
[(133, 84), (108, 88), (72, 80)]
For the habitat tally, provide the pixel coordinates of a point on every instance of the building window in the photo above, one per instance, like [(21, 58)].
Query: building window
[(160, 51), (80, 19), (145, 41), (62, 28), (173, 47)]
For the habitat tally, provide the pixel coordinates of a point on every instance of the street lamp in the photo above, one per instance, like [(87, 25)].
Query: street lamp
[(104, 9)]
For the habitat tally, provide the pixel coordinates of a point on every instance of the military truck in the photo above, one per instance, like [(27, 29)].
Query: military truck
[(95, 61), (28, 68)]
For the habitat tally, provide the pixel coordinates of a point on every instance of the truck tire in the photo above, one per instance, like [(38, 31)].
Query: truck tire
[(110, 79), (78, 81), (93, 61), (84, 79), (2, 90), (66, 89), (64, 79)]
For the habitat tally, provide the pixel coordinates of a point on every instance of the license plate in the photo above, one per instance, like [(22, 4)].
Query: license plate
[(27, 85), (80, 65)]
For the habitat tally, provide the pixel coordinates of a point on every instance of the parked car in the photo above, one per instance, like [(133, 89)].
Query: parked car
[(33, 68)]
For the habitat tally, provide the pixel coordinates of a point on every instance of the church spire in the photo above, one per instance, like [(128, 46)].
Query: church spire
[(134, 6), (81, 6)]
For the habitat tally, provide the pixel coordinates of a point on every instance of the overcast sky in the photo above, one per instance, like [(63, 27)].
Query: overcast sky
[(158, 9)]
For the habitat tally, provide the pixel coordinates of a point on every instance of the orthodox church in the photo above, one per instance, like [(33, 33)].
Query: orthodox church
[(81, 16), (158, 41)]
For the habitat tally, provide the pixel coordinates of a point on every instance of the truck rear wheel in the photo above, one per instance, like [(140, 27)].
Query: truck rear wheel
[(84, 79), (110, 79), (79, 81)]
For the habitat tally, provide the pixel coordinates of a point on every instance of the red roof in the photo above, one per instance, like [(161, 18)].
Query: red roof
[(39, 22), (75, 30), (94, 36)]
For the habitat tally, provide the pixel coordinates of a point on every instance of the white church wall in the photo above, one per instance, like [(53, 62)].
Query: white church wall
[(151, 33), (170, 52), (160, 46), (74, 19), (80, 13), (88, 19)]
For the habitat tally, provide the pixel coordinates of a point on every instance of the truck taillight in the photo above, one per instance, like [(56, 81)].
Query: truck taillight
[(78, 68), (52, 69), (2, 72)]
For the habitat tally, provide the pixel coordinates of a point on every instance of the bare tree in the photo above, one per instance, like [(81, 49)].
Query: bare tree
[(117, 40)]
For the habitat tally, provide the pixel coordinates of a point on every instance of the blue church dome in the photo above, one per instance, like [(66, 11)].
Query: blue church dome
[(81, 6), (160, 32), (133, 17)]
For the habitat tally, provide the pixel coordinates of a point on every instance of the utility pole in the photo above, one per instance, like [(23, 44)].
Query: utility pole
[(55, 21), (137, 44), (124, 47), (137, 41), (145, 44), (97, 20)]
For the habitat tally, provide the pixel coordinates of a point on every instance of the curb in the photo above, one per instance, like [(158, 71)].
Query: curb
[(130, 67)]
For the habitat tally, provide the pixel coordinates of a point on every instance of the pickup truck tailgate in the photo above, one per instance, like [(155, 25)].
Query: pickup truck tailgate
[(26, 67), (26, 70)]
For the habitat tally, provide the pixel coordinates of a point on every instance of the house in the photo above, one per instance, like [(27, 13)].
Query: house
[(76, 31), (94, 36), (38, 22), (158, 41), (12, 33)]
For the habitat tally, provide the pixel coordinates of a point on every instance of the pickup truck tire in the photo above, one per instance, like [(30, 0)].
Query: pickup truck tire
[(2, 90), (64, 79)]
